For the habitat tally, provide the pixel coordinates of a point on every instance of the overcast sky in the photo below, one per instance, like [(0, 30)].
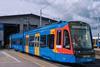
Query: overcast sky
[(85, 10)]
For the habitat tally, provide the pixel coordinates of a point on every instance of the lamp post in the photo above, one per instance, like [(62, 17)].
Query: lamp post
[(28, 23), (42, 13), (40, 17), (98, 32)]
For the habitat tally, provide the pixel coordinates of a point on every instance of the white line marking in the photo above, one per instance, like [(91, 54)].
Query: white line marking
[(11, 56)]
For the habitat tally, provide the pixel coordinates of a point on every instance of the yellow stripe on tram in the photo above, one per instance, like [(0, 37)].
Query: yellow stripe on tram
[(37, 44), (27, 43), (27, 49)]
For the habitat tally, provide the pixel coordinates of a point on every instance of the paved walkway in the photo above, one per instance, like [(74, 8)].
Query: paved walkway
[(8, 60), (11, 58)]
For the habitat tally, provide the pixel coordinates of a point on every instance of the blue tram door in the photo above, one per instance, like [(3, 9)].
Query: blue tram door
[(37, 44)]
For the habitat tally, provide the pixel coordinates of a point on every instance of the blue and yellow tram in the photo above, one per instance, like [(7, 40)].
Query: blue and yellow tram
[(17, 42), (63, 42)]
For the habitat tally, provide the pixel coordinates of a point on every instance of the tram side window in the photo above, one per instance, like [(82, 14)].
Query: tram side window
[(59, 37), (31, 41), (37, 41), (18, 41), (66, 40), (21, 41), (50, 41), (13, 42), (43, 41)]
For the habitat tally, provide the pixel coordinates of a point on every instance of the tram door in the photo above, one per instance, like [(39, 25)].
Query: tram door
[(27, 44), (37, 44)]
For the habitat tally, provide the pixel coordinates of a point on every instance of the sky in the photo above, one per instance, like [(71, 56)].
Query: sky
[(83, 10)]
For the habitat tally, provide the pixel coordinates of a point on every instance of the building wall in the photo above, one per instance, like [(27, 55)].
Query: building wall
[(1, 34), (24, 19), (21, 20)]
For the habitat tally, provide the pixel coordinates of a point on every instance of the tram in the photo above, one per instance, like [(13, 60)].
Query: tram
[(67, 42)]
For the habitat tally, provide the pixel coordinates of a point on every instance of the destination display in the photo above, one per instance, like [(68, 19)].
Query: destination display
[(80, 27)]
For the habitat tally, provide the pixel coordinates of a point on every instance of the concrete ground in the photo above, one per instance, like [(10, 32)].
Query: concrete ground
[(11, 58)]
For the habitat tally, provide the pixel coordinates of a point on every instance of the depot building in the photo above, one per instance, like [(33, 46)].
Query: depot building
[(12, 24)]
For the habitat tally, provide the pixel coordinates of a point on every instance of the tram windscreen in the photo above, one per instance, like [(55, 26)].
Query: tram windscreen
[(81, 38)]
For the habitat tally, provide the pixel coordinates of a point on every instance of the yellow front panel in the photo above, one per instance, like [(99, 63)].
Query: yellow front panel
[(27, 49), (52, 31)]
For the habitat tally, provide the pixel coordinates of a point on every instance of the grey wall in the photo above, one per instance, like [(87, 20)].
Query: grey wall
[(1, 35), (22, 20), (1, 31)]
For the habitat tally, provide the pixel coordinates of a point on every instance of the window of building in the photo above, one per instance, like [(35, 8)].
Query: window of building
[(29, 27)]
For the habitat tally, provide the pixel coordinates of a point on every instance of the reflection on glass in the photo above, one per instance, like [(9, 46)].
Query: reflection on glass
[(81, 37)]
